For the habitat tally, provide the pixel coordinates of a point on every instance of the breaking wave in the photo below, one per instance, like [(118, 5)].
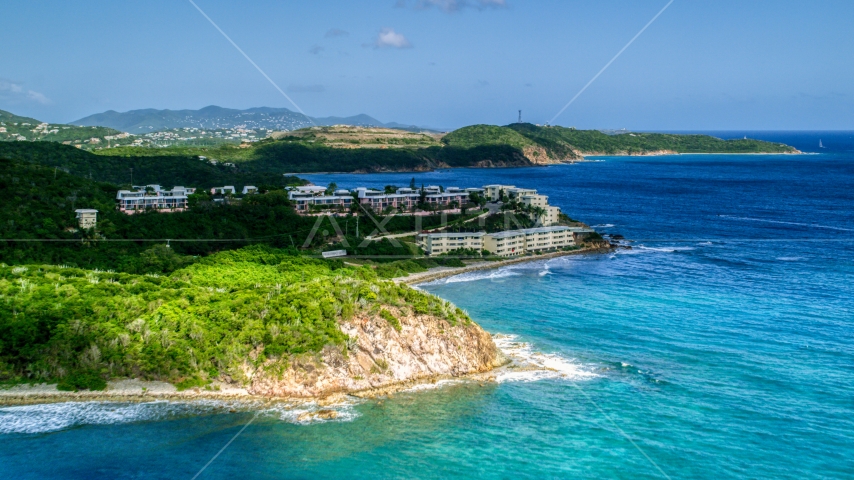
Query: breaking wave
[(529, 366), (474, 276), (52, 417)]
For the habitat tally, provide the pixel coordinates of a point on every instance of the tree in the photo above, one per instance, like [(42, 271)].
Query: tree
[(412, 183), (331, 188)]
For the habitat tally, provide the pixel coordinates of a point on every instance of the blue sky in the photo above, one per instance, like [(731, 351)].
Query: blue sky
[(723, 64)]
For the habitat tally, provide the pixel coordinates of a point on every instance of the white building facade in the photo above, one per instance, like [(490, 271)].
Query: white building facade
[(444, 242)]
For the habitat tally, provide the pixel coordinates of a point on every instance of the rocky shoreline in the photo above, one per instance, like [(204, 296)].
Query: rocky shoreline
[(381, 359)]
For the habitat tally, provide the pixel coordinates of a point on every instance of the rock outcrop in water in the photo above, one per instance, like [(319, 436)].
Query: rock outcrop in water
[(380, 356)]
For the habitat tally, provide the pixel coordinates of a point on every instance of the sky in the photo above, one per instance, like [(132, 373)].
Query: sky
[(713, 65)]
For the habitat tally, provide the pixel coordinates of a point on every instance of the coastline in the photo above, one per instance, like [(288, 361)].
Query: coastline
[(144, 391), (443, 272), (583, 159), (141, 391)]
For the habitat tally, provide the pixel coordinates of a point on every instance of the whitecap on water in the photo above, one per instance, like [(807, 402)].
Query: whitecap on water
[(669, 249), (51, 417), (308, 413), (474, 276), (532, 366), (58, 416)]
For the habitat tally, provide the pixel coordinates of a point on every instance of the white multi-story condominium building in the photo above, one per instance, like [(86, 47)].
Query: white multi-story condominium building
[(493, 192), (517, 193), (447, 198), (249, 190), (534, 200), (312, 189), (505, 244), (444, 242), (379, 201), (153, 197), (550, 215), (519, 242), (86, 217), (308, 203)]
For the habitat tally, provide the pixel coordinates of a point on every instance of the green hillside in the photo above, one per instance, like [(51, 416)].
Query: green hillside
[(479, 135), (479, 145), (206, 321), (16, 128), (7, 118), (41, 202), (167, 170), (594, 142)]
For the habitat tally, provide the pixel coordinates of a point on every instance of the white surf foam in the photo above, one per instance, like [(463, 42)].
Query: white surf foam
[(532, 366), (604, 225), (51, 417), (644, 250), (477, 275), (58, 416), (790, 259), (430, 386), (344, 412)]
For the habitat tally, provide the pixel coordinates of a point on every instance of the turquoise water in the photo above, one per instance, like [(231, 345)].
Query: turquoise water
[(720, 346)]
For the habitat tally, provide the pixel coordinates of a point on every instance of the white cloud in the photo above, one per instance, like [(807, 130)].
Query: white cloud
[(454, 5), (14, 91), (389, 38)]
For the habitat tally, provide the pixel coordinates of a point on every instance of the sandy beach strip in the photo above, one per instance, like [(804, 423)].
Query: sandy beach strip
[(443, 272)]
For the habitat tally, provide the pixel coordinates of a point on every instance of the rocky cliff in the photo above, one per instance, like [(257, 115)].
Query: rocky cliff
[(379, 355)]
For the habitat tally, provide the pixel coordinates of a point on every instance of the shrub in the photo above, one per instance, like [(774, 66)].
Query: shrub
[(391, 319), (76, 381), (192, 382)]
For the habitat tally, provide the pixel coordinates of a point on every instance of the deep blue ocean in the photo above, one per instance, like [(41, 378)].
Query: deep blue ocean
[(720, 346)]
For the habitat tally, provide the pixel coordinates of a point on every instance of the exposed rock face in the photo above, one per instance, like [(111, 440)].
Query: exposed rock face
[(540, 156), (379, 356)]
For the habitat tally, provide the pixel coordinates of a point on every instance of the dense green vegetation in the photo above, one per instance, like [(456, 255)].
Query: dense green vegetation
[(478, 135), (336, 149), (42, 200), (592, 142), (213, 319), (166, 170), (25, 128), (470, 146)]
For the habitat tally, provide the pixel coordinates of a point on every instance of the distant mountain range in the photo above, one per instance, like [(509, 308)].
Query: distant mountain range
[(212, 117)]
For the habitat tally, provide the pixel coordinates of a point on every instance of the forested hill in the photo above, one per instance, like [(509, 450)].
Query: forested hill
[(362, 150), (15, 128), (354, 149), (166, 170), (212, 117), (563, 144)]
